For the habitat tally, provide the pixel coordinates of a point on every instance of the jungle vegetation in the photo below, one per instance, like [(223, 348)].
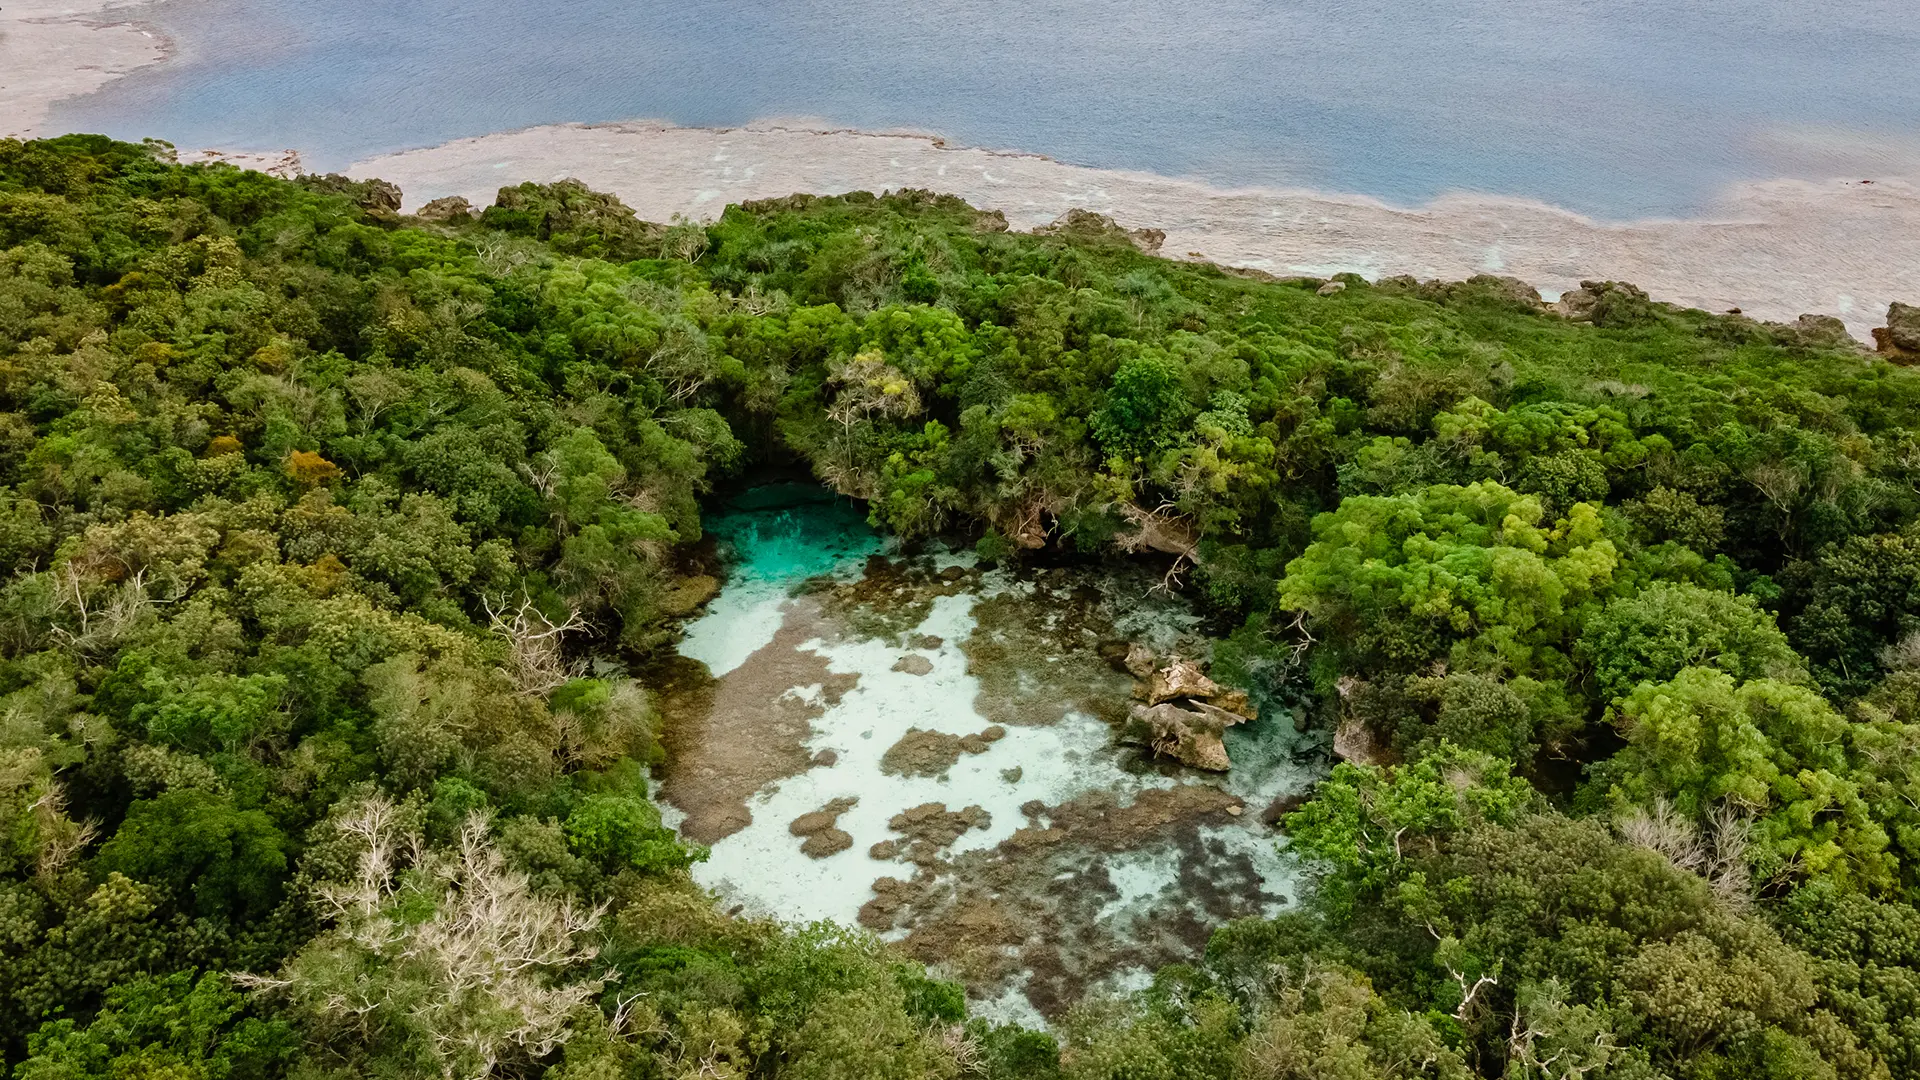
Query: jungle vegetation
[(310, 512)]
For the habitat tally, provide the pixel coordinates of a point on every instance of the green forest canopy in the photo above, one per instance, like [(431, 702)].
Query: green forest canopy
[(309, 509)]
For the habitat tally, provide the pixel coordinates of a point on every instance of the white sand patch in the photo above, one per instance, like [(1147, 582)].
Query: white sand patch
[(54, 49), (762, 865), (737, 623)]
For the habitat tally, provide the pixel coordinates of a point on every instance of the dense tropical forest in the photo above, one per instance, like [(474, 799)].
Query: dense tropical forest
[(315, 514)]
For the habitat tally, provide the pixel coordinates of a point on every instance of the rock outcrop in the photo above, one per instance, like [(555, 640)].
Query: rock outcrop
[(1899, 340), (823, 836), (1184, 714), (1817, 331), (1193, 737), (453, 208), (1180, 679), (1353, 741), (1087, 225)]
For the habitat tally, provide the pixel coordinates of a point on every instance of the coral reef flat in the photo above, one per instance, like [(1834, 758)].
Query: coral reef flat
[(1775, 249)]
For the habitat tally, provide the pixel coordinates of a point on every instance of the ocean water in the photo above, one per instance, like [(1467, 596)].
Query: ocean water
[(1621, 108)]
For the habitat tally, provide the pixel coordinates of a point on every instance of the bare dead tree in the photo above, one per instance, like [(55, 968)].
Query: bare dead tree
[(479, 979), (1716, 852), (543, 473), (60, 837), (102, 623), (1525, 1057), (535, 661), (684, 239)]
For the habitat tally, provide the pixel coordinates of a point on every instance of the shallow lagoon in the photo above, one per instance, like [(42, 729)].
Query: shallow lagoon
[(924, 746), (1624, 109)]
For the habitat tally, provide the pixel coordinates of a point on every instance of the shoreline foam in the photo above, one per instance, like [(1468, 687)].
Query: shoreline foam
[(51, 50), (1775, 249)]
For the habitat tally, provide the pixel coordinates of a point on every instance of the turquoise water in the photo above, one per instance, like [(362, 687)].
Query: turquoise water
[(872, 653), (787, 533), (773, 539), (1623, 108)]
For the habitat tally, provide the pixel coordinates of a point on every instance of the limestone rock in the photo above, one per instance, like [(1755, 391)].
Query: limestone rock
[(1191, 736), (1576, 304), (1180, 679), (1511, 288), (1352, 741), (826, 842), (1236, 702), (1331, 288), (914, 664), (454, 208), (689, 595), (1819, 331), (1147, 240), (1903, 326), (1899, 340), (1215, 714), (1140, 661), (380, 195), (1087, 225)]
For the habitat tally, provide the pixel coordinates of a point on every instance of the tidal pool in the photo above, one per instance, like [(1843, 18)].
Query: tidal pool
[(926, 747)]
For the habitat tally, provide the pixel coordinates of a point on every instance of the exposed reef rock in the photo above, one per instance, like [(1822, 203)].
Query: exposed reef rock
[(1087, 225), (1186, 714), (451, 208), (1899, 340), (928, 828), (914, 664), (819, 827), (931, 753)]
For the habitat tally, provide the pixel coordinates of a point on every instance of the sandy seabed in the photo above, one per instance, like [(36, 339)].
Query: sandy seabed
[(1775, 249), (55, 49)]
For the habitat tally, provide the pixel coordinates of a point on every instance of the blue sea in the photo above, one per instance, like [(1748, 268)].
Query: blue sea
[(1623, 108)]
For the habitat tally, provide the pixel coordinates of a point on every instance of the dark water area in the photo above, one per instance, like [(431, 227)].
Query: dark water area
[(1622, 109)]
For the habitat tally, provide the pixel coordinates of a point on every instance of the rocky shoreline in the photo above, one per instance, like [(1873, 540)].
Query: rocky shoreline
[(1773, 249)]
